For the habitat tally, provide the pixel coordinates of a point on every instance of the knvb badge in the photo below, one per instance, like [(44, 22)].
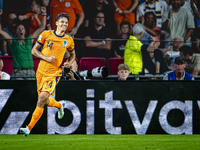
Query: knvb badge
[(65, 42)]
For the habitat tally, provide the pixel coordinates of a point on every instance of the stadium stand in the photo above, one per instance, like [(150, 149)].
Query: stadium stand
[(112, 65), (88, 63)]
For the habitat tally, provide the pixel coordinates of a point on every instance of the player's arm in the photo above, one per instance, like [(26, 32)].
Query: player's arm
[(42, 25), (38, 54), (71, 59)]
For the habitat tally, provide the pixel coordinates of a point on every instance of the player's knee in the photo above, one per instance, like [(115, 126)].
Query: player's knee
[(42, 99)]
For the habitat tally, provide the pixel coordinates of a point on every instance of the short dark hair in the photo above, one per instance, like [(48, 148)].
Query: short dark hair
[(186, 50), (20, 23), (125, 23), (61, 15), (98, 13)]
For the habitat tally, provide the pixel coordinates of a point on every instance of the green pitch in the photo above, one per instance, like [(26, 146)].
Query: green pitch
[(100, 142)]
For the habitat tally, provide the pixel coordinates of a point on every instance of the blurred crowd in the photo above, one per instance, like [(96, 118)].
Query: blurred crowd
[(148, 34)]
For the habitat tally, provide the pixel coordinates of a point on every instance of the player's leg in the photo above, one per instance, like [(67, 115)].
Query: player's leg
[(51, 102), (59, 105), (38, 110), (42, 101)]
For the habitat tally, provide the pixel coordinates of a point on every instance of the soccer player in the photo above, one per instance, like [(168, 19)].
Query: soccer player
[(49, 72)]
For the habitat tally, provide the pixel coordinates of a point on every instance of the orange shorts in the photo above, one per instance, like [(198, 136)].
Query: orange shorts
[(119, 18), (46, 83)]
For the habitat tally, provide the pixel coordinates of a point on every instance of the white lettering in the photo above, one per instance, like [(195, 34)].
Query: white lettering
[(141, 128), (186, 108), (109, 104)]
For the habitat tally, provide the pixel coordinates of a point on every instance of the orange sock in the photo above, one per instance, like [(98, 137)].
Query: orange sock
[(35, 117), (54, 103)]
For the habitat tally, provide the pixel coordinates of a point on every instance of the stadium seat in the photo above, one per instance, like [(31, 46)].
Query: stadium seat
[(89, 63), (112, 65), (7, 64)]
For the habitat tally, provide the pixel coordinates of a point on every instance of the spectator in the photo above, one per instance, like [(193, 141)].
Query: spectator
[(21, 48), (3, 75), (123, 72), (177, 22), (132, 53), (124, 12), (149, 21), (138, 53), (172, 52), (72, 8), (98, 48), (36, 16), (93, 8), (191, 6), (179, 71), (163, 60), (150, 26), (119, 45), (46, 4), (157, 6), (11, 30), (191, 59)]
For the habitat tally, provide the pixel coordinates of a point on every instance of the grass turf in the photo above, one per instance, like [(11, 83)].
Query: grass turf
[(100, 142)]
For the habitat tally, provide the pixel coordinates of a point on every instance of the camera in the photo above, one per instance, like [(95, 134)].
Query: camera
[(67, 70), (98, 72)]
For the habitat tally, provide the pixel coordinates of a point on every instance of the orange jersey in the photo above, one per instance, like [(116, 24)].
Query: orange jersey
[(34, 23), (53, 45), (71, 7), (124, 4)]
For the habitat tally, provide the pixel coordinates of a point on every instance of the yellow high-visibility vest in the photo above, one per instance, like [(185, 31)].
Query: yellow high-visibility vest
[(133, 55)]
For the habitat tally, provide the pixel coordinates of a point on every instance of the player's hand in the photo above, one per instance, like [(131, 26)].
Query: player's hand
[(43, 9), (50, 59), (67, 64)]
